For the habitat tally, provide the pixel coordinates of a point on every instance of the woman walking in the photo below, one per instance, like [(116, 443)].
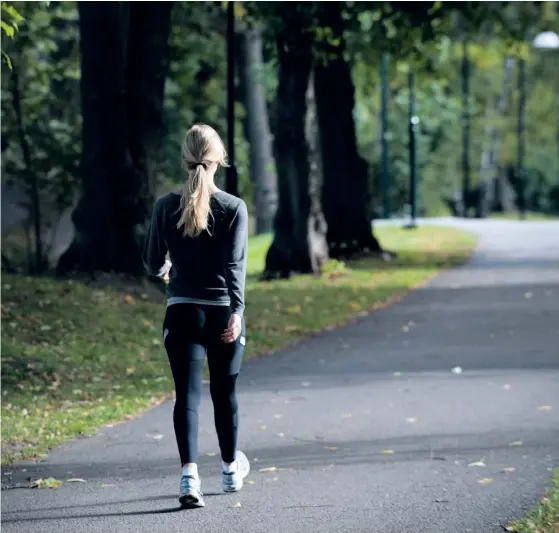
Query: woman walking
[(204, 230)]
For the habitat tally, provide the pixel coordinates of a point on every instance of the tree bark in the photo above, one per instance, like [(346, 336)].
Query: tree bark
[(123, 63), (291, 249), (262, 174), (345, 191)]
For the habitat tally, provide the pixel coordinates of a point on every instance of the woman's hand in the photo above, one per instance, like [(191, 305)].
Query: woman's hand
[(233, 329)]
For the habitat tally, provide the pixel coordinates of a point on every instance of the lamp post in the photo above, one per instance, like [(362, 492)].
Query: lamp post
[(231, 179), (465, 127), (549, 40), (546, 40), (413, 121), (384, 135)]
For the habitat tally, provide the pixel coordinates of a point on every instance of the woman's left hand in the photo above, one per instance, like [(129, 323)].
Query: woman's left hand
[(233, 329)]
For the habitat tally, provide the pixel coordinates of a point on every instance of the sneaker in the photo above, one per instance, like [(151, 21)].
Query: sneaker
[(190, 494), (233, 482)]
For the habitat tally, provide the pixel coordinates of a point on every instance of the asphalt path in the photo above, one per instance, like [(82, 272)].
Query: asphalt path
[(367, 427)]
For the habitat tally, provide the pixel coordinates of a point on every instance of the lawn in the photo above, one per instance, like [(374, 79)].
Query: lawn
[(75, 358), (545, 517)]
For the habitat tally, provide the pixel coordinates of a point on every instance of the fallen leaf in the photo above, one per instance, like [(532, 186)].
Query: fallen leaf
[(457, 370), (479, 463), (129, 299), (294, 309), (388, 452), (516, 443), (262, 428), (289, 328), (275, 469), (355, 306), (75, 480), (545, 408), (49, 483), (485, 481), (148, 323), (235, 505), (156, 342), (331, 448), (411, 420), (130, 370), (508, 469)]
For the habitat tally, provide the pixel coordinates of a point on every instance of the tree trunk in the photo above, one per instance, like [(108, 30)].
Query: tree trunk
[(123, 64), (262, 174), (489, 169), (345, 192), (291, 249)]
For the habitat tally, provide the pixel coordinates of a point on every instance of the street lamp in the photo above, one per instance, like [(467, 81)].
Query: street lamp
[(546, 40), (384, 135), (413, 121)]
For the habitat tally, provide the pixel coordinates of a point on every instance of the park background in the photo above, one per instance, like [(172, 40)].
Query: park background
[(342, 113)]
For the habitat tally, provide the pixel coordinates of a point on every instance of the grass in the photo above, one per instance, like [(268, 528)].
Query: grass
[(75, 358), (529, 216), (545, 517)]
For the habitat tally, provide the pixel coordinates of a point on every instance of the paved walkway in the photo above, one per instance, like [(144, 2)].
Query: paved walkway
[(368, 426)]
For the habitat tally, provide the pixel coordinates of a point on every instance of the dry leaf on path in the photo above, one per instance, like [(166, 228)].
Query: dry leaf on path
[(388, 452), (331, 448), (485, 481), (508, 470), (49, 483)]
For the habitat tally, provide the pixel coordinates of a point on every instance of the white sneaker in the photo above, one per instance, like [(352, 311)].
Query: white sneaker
[(233, 481), (190, 494)]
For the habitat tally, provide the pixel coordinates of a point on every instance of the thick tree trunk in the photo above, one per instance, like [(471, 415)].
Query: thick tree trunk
[(123, 62), (262, 173), (345, 192), (291, 249)]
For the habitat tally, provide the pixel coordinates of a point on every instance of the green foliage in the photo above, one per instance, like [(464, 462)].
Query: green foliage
[(45, 57)]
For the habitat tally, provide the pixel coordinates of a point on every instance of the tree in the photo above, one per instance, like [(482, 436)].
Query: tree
[(262, 175), (345, 190), (299, 240), (124, 53)]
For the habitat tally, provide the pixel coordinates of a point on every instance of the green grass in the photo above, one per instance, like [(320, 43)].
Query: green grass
[(75, 358), (529, 216), (545, 517)]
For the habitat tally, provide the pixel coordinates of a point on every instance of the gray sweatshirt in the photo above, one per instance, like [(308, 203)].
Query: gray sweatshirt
[(209, 269)]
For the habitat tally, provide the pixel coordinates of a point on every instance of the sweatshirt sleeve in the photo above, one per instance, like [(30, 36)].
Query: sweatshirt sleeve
[(155, 247), (237, 259)]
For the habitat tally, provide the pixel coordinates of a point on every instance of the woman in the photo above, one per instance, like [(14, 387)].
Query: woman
[(204, 230)]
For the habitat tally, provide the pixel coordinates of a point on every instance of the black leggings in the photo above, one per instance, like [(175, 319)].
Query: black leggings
[(189, 331)]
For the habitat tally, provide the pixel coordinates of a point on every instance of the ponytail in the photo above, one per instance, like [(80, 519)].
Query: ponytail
[(195, 201)]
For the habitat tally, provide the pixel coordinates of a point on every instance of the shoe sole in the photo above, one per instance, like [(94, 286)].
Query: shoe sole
[(237, 488), (191, 501)]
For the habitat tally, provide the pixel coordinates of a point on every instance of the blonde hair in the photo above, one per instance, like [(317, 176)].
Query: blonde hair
[(202, 148)]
